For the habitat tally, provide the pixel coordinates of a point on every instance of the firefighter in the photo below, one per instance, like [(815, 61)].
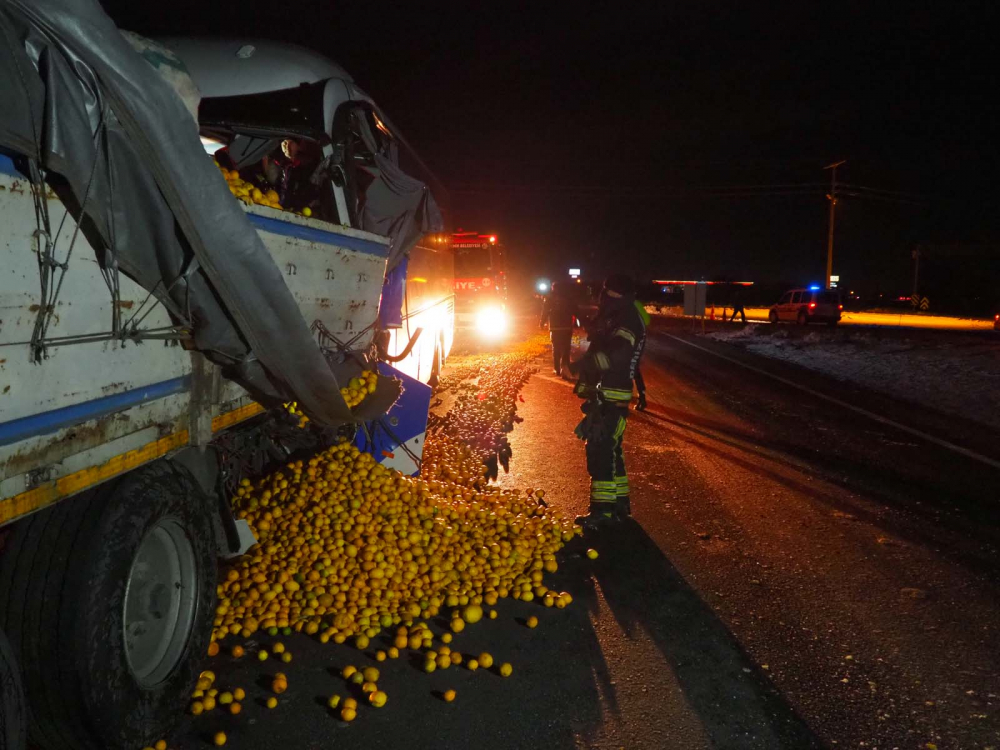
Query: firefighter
[(559, 312), (617, 336)]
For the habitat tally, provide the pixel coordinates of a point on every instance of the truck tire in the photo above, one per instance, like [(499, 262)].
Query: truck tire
[(109, 597), (13, 725)]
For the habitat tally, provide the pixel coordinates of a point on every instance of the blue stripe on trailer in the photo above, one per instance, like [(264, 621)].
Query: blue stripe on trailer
[(7, 166), (275, 226), (68, 416), (314, 234)]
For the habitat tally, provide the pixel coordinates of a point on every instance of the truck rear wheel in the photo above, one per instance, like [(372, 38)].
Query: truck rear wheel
[(109, 597), (13, 726)]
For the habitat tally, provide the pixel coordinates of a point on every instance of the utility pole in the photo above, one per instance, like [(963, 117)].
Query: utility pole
[(832, 197), (916, 271)]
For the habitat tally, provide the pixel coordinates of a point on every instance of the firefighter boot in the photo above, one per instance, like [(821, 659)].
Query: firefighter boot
[(601, 516), (623, 508)]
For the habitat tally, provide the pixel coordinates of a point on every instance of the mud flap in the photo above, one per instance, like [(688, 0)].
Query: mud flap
[(246, 540)]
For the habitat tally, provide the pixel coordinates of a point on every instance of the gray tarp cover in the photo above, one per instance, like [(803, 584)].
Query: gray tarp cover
[(396, 205), (79, 100)]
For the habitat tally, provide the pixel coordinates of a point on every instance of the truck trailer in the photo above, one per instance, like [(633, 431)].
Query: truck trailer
[(160, 340)]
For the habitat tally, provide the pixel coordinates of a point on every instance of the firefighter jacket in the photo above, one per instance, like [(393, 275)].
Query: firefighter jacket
[(617, 338)]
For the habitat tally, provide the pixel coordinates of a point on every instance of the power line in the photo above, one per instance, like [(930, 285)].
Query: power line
[(767, 190), (885, 198), (801, 187)]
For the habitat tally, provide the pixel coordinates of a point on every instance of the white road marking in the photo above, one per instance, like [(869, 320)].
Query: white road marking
[(857, 409)]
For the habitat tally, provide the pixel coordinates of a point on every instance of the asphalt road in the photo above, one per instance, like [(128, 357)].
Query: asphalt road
[(797, 576)]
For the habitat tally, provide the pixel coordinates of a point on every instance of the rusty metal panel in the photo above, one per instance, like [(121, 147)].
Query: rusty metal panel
[(94, 402), (336, 279), (79, 372)]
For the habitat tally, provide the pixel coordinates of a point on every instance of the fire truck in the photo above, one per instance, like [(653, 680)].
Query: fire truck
[(480, 283)]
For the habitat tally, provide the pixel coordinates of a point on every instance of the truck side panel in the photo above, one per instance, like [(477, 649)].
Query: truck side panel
[(334, 273), (94, 410)]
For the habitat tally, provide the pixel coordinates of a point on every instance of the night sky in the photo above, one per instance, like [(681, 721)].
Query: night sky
[(613, 135)]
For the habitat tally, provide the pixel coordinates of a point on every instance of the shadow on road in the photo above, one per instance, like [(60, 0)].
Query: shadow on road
[(734, 700)]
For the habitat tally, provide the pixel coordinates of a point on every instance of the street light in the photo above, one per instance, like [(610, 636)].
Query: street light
[(542, 286)]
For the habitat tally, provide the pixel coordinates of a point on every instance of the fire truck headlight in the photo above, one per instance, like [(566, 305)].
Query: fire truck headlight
[(491, 322)]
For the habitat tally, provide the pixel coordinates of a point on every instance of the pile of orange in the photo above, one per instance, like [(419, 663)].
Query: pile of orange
[(248, 192), (347, 547), (357, 389)]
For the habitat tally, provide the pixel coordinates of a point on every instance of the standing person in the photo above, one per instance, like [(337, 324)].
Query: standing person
[(606, 371), (737, 306), (559, 312)]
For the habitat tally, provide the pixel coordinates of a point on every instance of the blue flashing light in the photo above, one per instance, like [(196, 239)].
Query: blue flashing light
[(814, 288)]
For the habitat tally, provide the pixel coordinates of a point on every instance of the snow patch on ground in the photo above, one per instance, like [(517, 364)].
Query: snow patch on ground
[(958, 375)]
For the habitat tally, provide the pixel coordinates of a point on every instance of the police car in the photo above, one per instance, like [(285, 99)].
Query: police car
[(808, 305)]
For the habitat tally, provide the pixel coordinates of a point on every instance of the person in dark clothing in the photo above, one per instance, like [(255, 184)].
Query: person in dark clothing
[(737, 306), (559, 312), (606, 372)]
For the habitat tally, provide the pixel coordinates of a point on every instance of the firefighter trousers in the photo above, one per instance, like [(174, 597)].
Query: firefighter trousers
[(609, 488)]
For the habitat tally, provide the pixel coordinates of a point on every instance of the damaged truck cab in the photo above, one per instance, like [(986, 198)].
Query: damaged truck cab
[(160, 340)]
